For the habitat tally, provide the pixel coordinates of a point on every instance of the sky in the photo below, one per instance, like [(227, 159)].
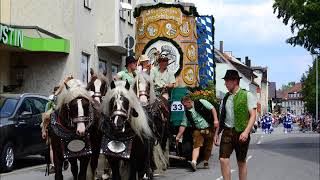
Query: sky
[(249, 28)]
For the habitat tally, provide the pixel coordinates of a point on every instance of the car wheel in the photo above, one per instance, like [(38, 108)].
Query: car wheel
[(7, 158)]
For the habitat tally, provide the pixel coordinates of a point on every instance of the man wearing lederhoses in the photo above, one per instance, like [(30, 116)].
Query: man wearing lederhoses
[(238, 114)]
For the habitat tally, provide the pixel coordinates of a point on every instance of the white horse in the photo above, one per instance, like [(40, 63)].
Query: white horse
[(126, 126)]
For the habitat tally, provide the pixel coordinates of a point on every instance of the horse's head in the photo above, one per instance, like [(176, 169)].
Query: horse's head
[(124, 110), (97, 85), (76, 111), (120, 110), (144, 89)]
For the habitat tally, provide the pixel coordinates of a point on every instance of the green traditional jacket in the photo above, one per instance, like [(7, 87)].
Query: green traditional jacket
[(241, 112), (240, 108)]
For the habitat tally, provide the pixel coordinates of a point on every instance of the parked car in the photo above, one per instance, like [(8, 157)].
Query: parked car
[(20, 132)]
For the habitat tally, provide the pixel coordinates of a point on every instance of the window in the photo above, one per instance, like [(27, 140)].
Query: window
[(39, 105), (84, 66), (102, 66), (114, 69), (7, 106), (25, 106), (87, 4)]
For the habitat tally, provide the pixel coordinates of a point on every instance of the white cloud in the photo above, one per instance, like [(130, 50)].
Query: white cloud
[(245, 21)]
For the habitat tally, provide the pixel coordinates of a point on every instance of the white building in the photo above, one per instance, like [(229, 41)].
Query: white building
[(292, 100), (61, 38)]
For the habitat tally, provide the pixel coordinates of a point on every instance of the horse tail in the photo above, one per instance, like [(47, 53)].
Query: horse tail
[(160, 159)]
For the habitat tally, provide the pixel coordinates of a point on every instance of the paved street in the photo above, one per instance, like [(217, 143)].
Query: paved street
[(271, 157)]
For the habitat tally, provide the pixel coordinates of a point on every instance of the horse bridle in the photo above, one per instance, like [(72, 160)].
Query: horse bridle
[(122, 112), (82, 119)]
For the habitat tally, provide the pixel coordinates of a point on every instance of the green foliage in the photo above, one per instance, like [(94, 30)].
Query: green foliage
[(303, 17), (309, 88), (288, 86), (207, 93)]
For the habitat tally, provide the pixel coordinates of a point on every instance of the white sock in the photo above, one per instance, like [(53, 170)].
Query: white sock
[(194, 162)]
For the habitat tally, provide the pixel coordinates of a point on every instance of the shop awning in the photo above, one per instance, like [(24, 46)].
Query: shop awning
[(113, 47), (31, 38)]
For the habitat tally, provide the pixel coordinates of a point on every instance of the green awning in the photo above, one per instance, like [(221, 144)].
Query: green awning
[(32, 38)]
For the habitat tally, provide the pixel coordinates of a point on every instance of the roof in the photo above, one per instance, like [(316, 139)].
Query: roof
[(264, 71), (219, 57), (18, 96), (296, 88), (245, 70)]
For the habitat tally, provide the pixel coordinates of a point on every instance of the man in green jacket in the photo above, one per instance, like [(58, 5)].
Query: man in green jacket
[(203, 119), (238, 114)]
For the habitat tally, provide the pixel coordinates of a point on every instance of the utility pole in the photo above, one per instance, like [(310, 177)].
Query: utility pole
[(317, 89)]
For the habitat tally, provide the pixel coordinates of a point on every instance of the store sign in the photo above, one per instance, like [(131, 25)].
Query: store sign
[(153, 15), (11, 36)]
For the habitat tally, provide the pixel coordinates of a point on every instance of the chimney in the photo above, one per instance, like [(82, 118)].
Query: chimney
[(247, 61), (221, 46)]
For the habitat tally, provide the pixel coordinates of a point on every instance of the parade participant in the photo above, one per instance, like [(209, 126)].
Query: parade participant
[(144, 64), (50, 107), (202, 116), (130, 72), (288, 123), (162, 77), (268, 123), (238, 113), (264, 124)]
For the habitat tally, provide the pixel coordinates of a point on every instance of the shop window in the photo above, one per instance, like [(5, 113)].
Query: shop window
[(114, 69), (102, 66), (84, 66), (87, 4)]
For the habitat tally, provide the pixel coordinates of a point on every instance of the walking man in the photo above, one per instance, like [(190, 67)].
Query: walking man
[(238, 114), (202, 116)]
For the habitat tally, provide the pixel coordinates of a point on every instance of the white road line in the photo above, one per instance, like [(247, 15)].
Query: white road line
[(248, 158), (221, 178)]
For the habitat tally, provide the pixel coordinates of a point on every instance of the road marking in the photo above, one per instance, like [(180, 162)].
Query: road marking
[(221, 177), (260, 139), (24, 169), (248, 158)]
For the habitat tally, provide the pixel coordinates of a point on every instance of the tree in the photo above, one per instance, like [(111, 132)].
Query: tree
[(288, 86), (303, 16), (309, 88)]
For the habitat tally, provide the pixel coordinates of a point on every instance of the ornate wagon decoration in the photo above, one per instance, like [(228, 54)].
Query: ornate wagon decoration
[(171, 30)]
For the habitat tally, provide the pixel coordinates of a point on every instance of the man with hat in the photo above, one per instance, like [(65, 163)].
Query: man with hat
[(144, 64), (238, 114), (130, 72), (162, 77)]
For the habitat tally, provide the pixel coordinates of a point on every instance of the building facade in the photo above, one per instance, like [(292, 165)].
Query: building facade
[(68, 37), (292, 100)]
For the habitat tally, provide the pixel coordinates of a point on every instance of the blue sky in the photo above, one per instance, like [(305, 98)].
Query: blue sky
[(249, 28)]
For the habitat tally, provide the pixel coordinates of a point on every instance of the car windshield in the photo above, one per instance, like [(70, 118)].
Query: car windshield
[(7, 106)]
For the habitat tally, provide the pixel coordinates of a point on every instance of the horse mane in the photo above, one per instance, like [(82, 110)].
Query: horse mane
[(138, 124), (146, 77), (72, 94)]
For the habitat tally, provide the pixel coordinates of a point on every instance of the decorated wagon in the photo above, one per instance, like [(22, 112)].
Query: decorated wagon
[(187, 40)]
